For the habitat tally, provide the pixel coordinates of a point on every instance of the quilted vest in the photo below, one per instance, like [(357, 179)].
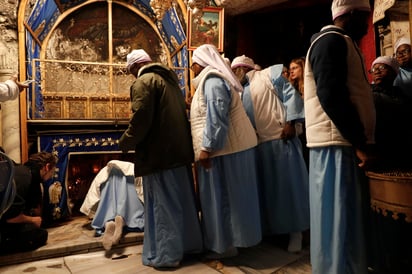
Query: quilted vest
[(241, 134), (320, 129), (270, 113)]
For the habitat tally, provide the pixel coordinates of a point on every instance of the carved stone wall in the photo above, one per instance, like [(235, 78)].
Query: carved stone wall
[(9, 117), (8, 34)]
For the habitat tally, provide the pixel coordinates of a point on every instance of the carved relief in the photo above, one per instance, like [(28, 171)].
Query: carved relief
[(81, 71), (53, 107), (83, 35), (76, 107)]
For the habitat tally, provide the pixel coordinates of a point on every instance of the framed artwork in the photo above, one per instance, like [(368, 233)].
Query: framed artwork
[(208, 29)]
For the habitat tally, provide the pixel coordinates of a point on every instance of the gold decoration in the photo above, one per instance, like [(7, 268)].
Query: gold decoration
[(55, 192), (160, 7), (391, 193)]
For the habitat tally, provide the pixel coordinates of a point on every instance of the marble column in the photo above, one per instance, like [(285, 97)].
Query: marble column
[(9, 61), (10, 123)]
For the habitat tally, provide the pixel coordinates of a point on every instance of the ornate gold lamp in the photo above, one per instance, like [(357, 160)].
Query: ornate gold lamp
[(196, 7)]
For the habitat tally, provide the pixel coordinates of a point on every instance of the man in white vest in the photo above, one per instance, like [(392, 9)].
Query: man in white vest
[(340, 126), (273, 106)]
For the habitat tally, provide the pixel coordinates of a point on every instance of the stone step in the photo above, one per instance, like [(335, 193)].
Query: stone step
[(73, 237)]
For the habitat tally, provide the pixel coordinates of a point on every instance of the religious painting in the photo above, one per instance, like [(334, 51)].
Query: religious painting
[(208, 29), (83, 35)]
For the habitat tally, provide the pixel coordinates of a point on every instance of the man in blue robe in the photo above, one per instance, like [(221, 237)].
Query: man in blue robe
[(273, 106), (340, 128)]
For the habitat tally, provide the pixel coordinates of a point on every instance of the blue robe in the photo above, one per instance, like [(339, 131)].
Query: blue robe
[(282, 172), (228, 191), (172, 226), (118, 196), (338, 243), (284, 186)]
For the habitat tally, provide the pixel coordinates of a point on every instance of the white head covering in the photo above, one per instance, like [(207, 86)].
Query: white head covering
[(208, 55), (402, 41), (387, 60), (227, 60), (340, 7), (243, 61), (137, 56)]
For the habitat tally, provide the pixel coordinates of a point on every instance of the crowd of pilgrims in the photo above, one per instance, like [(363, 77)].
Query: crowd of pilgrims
[(249, 143)]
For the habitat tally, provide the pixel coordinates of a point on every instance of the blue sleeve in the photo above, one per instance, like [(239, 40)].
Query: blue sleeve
[(289, 96), (218, 100), (404, 81), (248, 104), (328, 58)]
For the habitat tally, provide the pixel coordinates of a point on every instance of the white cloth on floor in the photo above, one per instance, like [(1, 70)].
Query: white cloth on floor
[(92, 198)]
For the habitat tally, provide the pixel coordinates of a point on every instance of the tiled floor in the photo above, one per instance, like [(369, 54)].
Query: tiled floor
[(72, 248), (263, 259)]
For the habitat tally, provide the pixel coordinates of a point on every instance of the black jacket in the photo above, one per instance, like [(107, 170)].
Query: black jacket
[(28, 191)]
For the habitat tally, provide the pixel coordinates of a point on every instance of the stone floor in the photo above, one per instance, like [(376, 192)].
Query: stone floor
[(73, 248), (75, 236)]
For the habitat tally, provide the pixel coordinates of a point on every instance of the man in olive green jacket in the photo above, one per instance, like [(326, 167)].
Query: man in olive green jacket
[(159, 132)]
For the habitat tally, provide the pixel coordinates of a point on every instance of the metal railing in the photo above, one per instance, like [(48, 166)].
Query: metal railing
[(79, 90)]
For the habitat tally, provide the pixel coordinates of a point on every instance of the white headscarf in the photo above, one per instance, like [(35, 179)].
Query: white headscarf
[(227, 60), (387, 60), (340, 7), (137, 56), (402, 41), (243, 61), (208, 55)]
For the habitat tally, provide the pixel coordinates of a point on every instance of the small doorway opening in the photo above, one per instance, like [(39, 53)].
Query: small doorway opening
[(82, 169)]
